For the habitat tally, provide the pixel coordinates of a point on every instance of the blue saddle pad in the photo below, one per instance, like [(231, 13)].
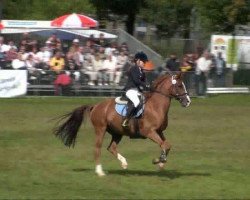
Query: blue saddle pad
[(121, 109)]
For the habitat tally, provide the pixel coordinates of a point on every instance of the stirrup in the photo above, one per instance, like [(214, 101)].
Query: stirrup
[(125, 123)]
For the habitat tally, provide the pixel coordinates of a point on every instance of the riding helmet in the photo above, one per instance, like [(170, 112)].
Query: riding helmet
[(142, 56)]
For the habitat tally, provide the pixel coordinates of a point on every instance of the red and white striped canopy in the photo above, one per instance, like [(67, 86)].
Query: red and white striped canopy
[(74, 21)]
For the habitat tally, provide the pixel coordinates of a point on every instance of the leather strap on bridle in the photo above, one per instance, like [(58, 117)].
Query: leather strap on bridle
[(170, 96)]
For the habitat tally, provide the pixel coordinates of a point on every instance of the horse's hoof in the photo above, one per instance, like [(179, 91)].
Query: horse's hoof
[(101, 174), (124, 166), (161, 165), (156, 161)]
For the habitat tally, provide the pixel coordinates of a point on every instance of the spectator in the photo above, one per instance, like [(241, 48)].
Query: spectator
[(186, 67), (33, 72), (23, 46), (203, 65), (101, 40), (74, 47), (109, 65), (99, 76), (220, 66), (9, 56), (18, 63), (12, 44), (62, 84), (124, 47), (78, 58), (54, 41), (172, 64), (122, 59), (48, 53), (57, 62), (89, 69), (41, 59), (3, 49), (26, 41), (88, 47)]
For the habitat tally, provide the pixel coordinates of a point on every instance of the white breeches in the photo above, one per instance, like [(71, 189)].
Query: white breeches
[(132, 94)]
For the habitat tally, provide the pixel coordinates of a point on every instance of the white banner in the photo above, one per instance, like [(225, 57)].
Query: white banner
[(234, 49), (13, 83)]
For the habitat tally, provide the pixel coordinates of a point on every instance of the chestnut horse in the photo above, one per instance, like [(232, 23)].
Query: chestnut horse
[(150, 125)]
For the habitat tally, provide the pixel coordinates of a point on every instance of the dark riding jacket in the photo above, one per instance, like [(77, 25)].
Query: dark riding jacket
[(136, 79)]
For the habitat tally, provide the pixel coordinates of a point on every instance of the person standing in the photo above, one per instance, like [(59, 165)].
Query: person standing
[(203, 65), (220, 66), (136, 83), (173, 64)]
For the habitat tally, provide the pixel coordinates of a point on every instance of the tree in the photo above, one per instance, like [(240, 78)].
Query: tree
[(129, 8), (221, 16), (45, 9), (170, 17)]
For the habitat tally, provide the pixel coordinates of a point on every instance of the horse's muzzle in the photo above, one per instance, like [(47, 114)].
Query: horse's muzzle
[(184, 100)]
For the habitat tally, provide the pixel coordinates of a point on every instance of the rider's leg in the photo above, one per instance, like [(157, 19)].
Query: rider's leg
[(133, 96)]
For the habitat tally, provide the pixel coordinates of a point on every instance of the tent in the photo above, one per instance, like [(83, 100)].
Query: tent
[(44, 28)]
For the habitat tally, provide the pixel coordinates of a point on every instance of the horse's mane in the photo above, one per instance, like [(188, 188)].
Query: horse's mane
[(159, 80), (155, 84)]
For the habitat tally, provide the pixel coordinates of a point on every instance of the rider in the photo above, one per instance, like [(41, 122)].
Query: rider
[(135, 84)]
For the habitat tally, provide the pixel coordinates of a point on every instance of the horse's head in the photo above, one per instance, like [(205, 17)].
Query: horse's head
[(178, 90), (173, 87)]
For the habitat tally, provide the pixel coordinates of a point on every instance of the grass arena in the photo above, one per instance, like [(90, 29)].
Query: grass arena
[(209, 158)]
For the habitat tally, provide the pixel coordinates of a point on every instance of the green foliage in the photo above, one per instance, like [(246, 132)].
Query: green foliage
[(129, 8), (209, 158), (172, 16), (45, 9), (213, 16), (221, 16), (169, 16)]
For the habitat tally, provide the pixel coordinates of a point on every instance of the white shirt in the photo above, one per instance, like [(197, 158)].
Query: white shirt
[(97, 64), (4, 47), (110, 65), (16, 64), (40, 55), (203, 65)]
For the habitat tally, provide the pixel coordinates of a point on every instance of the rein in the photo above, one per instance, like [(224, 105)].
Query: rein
[(169, 96)]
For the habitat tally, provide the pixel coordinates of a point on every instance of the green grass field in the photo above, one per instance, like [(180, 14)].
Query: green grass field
[(209, 158)]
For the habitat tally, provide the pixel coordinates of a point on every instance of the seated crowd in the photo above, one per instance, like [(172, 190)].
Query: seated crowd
[(94, 59)]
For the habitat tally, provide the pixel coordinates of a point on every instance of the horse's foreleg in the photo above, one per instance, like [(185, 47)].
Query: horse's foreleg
[(168, 145), (98, 145), (165, 147), (112, 148)]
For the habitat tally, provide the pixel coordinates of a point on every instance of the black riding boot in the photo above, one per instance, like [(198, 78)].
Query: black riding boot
[(130, 113)]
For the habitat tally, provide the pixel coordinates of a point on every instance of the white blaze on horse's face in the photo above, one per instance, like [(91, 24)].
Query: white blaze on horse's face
[(187, 96), (181, 93)]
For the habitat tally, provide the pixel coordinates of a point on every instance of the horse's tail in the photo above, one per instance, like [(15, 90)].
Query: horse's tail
[(67, 131)]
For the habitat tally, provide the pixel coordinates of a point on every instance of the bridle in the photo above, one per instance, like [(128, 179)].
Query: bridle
[(176, 96)]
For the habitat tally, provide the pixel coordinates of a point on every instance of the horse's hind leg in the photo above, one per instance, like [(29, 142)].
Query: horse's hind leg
[(112, 148), (100, 132)]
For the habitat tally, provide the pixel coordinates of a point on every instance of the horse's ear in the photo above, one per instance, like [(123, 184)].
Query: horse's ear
[(179, 75)]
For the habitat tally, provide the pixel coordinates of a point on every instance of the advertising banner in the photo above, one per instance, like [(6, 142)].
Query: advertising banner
[(13, 83), (234, 49)]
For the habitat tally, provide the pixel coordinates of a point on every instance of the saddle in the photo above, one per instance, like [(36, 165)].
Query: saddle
[(121, 106), (123, 102)]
